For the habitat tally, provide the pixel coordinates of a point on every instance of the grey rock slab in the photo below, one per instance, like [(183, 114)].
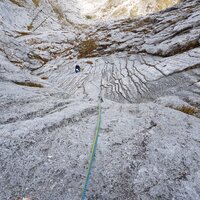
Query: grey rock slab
[(146, 70)]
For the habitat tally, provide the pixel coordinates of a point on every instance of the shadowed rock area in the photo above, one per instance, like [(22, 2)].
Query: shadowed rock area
[(147, 71)]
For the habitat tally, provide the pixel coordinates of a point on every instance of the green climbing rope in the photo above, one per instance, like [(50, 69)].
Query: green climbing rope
[(94, 146)]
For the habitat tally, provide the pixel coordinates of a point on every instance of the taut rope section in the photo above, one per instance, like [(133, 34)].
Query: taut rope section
[(94, 146)]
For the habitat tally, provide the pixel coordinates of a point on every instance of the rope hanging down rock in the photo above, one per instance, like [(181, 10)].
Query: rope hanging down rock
[(94, 146)]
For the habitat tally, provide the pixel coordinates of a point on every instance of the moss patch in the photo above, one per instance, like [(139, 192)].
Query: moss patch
[(88, 17)]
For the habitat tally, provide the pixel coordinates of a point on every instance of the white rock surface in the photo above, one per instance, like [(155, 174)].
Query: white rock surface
[(147, 70), (106, 9)]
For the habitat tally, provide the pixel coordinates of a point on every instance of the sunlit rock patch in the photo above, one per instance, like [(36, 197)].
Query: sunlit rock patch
[(108, 9)]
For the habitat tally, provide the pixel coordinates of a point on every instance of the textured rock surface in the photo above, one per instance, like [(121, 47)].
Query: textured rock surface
[(106, 9), (148, 70)]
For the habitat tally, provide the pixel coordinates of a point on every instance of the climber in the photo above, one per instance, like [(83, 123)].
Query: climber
[(77, 69)]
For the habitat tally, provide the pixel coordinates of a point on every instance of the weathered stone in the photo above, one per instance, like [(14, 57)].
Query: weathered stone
[(147, 72)]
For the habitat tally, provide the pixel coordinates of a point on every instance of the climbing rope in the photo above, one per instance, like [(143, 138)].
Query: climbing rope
[(94, 146)]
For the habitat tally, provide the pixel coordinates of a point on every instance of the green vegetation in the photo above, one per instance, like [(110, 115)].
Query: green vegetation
[(88, 17)]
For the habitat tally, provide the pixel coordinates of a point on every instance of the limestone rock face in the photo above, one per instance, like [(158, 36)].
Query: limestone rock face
[(106, 9), (147, 70)]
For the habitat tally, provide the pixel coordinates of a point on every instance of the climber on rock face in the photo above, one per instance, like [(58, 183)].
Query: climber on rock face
[(77, 69)]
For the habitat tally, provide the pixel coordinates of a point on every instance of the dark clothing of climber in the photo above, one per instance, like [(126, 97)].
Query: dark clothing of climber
[(77, 69)]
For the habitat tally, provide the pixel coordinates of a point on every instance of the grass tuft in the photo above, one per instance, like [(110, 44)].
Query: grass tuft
[(57, 9), (88, 17), (29, 27), (44, 77), (18, 3), (86, 48), (21, 33), (187, 109), (89, 62), (36, 2), (29, 84)]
